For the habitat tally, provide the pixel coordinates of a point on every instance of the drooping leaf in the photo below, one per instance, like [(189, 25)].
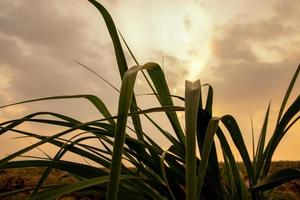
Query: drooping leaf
[(158, 78), (278, 178), (52, 194)]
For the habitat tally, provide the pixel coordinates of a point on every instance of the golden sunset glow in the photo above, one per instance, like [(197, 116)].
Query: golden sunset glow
[(248, 57)]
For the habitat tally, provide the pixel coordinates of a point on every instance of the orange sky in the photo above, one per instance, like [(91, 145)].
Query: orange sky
[(247, 50)]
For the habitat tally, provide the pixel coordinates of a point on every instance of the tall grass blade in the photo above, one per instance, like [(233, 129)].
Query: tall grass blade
[(232, 164), (137, 63), (158, 78), (291, 125), (120, 57), (123, 108), (209, 99), (205, 153), (164, 174), (279, 133), (58, 156), (128, 48), (213, 171), (121, 60), (253, 143), (238, 140), (282, 123), (227, 174), (98, 75), (287, 94), (261, 144), (192, 97)]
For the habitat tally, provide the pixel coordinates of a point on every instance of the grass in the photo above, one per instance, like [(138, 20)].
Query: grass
[(173, 173), (31, 175)]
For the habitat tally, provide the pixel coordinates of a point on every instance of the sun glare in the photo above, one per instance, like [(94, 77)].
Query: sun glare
[(181, 30)]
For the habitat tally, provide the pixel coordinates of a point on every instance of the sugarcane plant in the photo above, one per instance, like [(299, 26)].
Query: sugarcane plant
[(135, 166)]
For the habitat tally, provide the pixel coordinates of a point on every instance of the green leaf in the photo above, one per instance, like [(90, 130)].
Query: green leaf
[(205, 153), (158, 78), (213, 171), (192, 98), (287, 94), (233, 165), (277, 178), (120, 57), (50, 140), (81, 170), (164, 175), (261, 145), (209, 99), (279, 133), (93, 99), (55, 193), (121, 60), (228, 177), (253, 143), (123, 108), (238, 140), (281, 125)]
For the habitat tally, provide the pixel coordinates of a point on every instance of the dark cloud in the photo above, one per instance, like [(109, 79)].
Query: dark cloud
[(38, 46), (38, 23), (231, 48), (39, 41)]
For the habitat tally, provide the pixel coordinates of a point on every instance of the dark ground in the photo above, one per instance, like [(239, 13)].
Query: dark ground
[(15, 179)]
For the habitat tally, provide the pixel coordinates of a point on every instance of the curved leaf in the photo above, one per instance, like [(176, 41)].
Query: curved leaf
[(54, 193), (158, 78), (277, 179)]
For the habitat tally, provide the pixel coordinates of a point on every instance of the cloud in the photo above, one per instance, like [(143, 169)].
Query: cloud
[(249, 61), (40, 24), (252, 59), (287, 10), (39, 42), (38, 45), (187, 23), (252, 62)]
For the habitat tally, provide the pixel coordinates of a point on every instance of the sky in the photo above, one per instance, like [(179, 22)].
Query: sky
[(247, 50)]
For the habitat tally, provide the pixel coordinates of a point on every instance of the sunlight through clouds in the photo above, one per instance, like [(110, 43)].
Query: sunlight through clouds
[(174, 28), (248, 58)]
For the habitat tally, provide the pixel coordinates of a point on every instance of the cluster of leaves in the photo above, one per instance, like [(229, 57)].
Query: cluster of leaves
[(157, 173)]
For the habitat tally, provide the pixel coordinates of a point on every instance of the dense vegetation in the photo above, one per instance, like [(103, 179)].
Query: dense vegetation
[(157, 173), (25, 179)]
